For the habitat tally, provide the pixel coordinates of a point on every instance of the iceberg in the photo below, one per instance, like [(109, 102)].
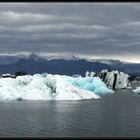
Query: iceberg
[(91, 74), (115, 79), (93, 84), (46, 87), (137, 90)]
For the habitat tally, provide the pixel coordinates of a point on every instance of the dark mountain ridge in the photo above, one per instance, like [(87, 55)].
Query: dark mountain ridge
[(35, 64)]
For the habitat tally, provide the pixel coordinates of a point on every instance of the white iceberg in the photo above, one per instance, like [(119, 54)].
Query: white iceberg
[(45, 87), (137, 90), (90, 74)]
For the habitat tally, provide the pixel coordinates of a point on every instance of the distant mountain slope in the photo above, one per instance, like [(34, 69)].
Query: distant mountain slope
[(35, 64), (61, 66)]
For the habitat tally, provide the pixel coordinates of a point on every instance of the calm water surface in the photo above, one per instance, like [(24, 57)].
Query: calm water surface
[(114, 115)]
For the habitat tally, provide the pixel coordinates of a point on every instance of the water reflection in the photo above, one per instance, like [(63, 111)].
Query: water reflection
[(112, 115)]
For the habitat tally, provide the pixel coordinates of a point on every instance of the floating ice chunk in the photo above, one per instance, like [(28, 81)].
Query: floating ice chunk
[(137, 90), (115, 79), (128, 87), (93, 84), (42, 87)]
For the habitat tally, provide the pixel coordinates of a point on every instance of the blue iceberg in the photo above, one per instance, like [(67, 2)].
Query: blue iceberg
[(93, 84)]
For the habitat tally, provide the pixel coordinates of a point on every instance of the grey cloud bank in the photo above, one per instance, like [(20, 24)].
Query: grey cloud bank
[(93, 30)]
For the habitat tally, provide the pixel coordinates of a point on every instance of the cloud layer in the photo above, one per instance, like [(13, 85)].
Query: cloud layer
[(105, 30)]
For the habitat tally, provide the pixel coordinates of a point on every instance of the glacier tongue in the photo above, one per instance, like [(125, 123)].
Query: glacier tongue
[(51, 87)]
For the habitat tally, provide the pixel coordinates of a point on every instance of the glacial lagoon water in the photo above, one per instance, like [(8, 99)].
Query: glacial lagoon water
[(116, 115)]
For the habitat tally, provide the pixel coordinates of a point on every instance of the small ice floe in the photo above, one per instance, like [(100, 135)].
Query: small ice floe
[(137, 90), (128, 87)]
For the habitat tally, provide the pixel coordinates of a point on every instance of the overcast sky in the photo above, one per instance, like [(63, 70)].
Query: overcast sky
[(95, 30)]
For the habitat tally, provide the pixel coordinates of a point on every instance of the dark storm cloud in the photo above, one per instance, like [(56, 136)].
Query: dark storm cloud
[(103, 30)]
